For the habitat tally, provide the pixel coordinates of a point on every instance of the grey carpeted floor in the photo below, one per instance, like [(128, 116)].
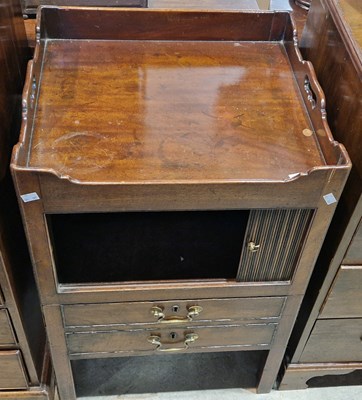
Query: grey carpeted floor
[(336, 393)]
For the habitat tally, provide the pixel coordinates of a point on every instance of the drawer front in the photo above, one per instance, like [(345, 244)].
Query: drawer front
[(148, 340), (354, 252), (335, 340), (12, 372), (173, 311), (345, 298), (6, 332)]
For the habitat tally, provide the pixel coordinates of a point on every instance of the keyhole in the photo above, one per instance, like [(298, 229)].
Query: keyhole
[(173, 335), (175, 309)]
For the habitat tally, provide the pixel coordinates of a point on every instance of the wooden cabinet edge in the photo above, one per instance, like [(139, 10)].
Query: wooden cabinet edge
[(296, 376)]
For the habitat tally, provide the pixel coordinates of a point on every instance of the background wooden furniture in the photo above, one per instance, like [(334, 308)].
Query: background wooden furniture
[(130, 203), (327, 337), (25, 371), (30, 6)]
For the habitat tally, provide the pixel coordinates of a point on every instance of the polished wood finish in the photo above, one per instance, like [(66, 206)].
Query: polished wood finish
[(160, 156), (299, 14), (30, 31), (12, 372), (159, 153), (12, 71), (135, 165), (225, 122), (336, 57), (332, 41)]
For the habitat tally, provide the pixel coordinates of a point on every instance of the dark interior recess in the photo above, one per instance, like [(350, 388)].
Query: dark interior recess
[(165, 373), (143, 246)]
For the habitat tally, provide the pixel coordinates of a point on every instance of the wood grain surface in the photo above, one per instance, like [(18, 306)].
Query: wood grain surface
[(334, 340), (6, 332), (156, 111), (299, 15), (354, 252), (140, 312), (12, 71), (228, 337), (351, 11), (345, 297), (12, 373)]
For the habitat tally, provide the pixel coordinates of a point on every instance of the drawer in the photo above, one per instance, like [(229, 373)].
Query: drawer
[(12, 371), (248, 336), (354, 252), (6, 332), (345, 297), (334, 340), (177, 311)]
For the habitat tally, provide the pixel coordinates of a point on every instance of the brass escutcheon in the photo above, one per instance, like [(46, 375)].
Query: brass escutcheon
[(156, 340), (192, 312)]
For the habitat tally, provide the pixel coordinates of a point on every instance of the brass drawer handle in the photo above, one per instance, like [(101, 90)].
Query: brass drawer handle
[(157, 312), (192, 312), (156, 340), (253, 248)]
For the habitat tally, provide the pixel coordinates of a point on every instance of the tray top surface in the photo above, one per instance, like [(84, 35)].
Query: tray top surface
[(139, 111)]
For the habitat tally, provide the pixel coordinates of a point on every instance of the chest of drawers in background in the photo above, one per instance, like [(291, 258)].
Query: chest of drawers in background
[(25, 370), (327, 337)]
